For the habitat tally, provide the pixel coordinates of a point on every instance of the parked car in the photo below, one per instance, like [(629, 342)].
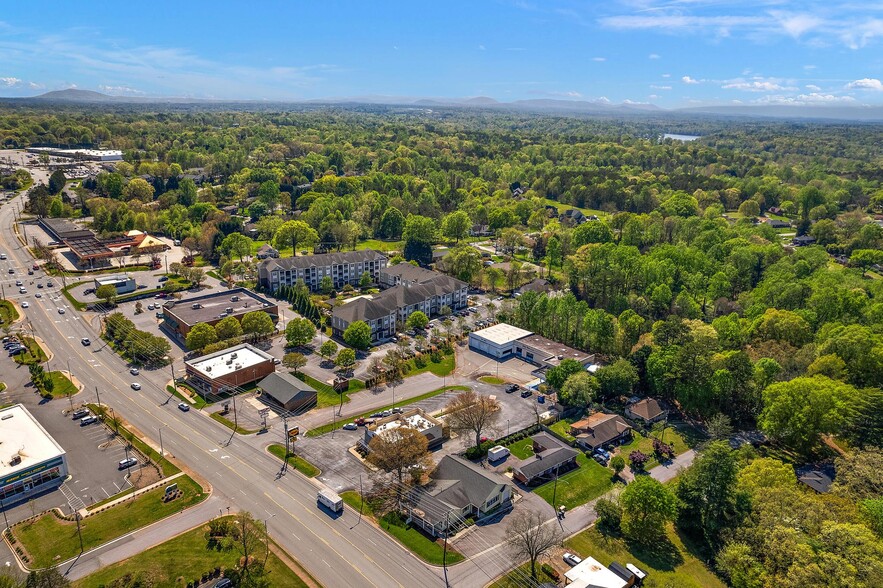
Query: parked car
[(22, 291), (164, 278), (350, 426), (88, 291), (510, 388), (25, 304), (88, 420), (183, 406), (38, 295), (602, 452), (526, 393), (49, 284), (386, 413), (19, 283), (30, 272), (127, 463), (377, 415), (571, 559), (80, 413), (39, 284)]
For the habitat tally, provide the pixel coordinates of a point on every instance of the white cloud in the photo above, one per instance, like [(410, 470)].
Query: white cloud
[(812, 99), (481, 47), (10, 82), (599, 59), (809, 67), (796, 25), (866, 84), (689, 80), (812, 88), (679, 21), (654, 56), (757, 84), (666, 75), (556, 94), (119, 90), (658, 87), (653, 97), (35, 86)]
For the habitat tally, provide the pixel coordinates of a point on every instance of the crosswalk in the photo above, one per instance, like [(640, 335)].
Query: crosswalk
[(74, 501)]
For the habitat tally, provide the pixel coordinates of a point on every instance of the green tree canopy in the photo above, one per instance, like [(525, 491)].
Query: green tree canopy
[(358, 334)]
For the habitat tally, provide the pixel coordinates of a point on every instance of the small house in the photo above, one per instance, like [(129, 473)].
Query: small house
[(551, 457), (266, 251), (647, 410), (803, 240), (599, 430)]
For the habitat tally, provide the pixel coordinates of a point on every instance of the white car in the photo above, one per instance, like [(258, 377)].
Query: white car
[(22, 291), (571, 559), (134, 371), (183, 406), (25, 304), (350, 426), (136, 386)]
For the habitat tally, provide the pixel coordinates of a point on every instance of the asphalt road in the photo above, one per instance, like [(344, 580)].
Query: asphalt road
[(338, 552)]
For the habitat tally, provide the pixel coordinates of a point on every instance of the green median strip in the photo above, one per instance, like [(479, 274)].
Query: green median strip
[(298, 463), (230, 425), (328, 427)]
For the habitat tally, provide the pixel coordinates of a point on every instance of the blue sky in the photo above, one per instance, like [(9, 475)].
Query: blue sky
[(667, 52)]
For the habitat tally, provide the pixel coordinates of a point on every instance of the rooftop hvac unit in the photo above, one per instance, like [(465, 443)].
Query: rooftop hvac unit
[(238, 366), (16, 459), (208, 368), (229, 362), (234, 355)]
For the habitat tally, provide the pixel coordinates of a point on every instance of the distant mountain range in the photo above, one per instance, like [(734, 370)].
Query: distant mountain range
[(545, 105)]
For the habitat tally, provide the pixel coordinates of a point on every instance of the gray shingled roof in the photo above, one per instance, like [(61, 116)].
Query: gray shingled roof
[(322, 260), (284, 388), (456, 483), (556, 453), (396, 297)]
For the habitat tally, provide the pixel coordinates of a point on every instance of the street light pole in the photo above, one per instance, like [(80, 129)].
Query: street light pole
[(445, 549), (79, 532), (162, 453)]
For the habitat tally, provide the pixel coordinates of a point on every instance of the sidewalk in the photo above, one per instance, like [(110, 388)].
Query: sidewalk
[(140, 540)]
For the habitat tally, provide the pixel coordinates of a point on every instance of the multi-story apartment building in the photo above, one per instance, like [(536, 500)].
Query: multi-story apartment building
[(408, 289), (343, 268)]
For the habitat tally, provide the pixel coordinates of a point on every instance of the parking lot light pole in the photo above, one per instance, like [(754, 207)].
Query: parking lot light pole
[(79, 532)]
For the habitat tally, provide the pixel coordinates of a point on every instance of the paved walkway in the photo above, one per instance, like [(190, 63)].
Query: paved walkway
[(142, 539)]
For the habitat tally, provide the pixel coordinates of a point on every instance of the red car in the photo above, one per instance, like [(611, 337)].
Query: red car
[(35, 266)]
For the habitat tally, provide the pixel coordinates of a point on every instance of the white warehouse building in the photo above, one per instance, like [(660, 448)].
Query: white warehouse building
[(498, 341)]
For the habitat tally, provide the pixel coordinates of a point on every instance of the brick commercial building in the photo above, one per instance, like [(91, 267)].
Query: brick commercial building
[(234, 367), (343, 268), (179, 316)]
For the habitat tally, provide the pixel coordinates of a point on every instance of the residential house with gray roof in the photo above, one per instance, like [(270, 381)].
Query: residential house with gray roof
[(551, 457), (458, 490)]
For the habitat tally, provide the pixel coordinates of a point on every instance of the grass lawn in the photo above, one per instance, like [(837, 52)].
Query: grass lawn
[(492, 380), (298, 463), (34, 354), (589, 481), (380, 245), (518, 578), (562, 207), (562, 427), (196, 401), (49, 536), (522, 449), (63, 387), (70, 297), (671, 564), (7, 312), (230, 425), (419, 544), (645, 445), (186, 556), (442, 368), (328, 427), (325, 394)]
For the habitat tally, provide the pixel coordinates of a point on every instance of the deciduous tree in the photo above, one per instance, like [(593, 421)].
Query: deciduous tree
[(469, 412), (530, 537)]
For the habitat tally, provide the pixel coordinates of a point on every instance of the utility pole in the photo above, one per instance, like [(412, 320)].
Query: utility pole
[(79, 533), (555, 487), (98, 395), (333, 422), (361, 499), (161, 452)]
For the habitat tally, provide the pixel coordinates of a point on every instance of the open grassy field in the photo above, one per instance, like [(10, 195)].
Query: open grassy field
[(325, 394), (589, 481), (669, 564), (645, 445), (441, 368), (187, 556), (49, 539)]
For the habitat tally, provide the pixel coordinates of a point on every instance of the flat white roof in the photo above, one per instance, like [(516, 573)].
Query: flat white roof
[(22, 435), (222, 363), (590, 572), (502, 333), (415, 421), (113, 279)]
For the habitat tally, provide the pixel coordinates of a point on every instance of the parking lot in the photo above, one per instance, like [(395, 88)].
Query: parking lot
[(92, 451), (340, 469)]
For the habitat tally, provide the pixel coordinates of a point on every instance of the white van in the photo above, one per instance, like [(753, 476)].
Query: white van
[(330, 500)]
